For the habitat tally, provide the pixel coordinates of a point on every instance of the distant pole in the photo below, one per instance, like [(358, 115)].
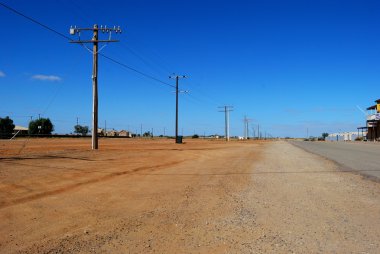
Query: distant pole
[(176, 108), (246, 127), (77, 120), (152, 133), (177, 77), (258, 131), (164, 131), (141, 131), (94, 41), (39, 116), (227, 123), (226, 110)]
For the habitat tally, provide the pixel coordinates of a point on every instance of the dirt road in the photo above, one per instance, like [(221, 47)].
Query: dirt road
[(200, 197)]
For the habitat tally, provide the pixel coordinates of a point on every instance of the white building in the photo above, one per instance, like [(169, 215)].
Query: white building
[(343, 136)]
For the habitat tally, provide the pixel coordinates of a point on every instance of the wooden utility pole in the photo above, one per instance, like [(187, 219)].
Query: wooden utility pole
[(177, 77), (246, 127), (227, 110), (95, 89), (258, 131), (95, 41), (176, 109)]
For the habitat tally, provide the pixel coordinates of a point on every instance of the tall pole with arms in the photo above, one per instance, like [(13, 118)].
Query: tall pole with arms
[(176, 77), (95, 41)]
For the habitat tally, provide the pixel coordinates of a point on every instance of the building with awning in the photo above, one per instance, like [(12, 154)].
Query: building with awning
[(373, 122)]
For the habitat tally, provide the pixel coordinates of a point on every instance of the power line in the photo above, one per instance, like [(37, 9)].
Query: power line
[(137, 71), (52, 99), (123, 45), (68, 38), (148, 61), (103, 55), (35, 21)]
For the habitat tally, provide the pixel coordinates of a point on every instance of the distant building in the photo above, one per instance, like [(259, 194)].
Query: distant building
[(112, 133), (343, 136), (20, 130), (373, 122), (101, 132), (124, 133)]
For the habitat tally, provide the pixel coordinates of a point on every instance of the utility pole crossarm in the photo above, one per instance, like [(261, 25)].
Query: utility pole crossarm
[(177, 76), (91, 41)]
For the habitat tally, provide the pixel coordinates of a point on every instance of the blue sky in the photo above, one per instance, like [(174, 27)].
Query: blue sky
[(287, 65)]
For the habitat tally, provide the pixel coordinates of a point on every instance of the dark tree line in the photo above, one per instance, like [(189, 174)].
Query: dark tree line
[(39, 126), (6, 127)]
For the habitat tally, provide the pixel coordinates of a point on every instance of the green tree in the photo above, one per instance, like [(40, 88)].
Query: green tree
[(41, 126), (325, 135), (79, 129), (147, 134), (195, 136), (6, 126)]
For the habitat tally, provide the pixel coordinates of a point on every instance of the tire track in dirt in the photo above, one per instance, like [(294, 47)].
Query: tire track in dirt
[(200, 211), (80, 184)]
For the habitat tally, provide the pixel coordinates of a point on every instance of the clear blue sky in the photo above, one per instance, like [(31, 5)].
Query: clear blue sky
[(288, 65)]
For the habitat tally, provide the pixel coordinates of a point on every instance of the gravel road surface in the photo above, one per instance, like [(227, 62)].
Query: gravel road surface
[(361, 157)]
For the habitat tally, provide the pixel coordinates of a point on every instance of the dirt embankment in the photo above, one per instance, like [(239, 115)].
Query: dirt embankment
[(199, 197)]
